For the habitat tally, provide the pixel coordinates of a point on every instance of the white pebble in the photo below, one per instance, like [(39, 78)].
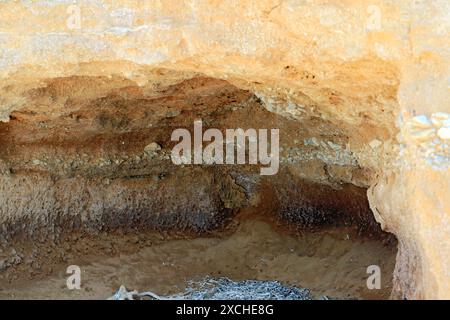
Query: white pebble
[(438, 118), (421, 121), (444, 133), (422, 135)]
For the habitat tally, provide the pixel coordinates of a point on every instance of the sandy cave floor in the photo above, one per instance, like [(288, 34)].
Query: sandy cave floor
[(331, 263)]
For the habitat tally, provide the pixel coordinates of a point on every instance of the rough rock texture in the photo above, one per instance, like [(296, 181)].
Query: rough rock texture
[(359, 91), (100, 163)]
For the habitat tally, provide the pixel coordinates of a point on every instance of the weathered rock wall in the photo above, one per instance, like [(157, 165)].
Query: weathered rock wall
[(97, 163), (352, 74)]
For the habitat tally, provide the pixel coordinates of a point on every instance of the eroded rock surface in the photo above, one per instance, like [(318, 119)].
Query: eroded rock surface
[(358, 91), (104, 162)]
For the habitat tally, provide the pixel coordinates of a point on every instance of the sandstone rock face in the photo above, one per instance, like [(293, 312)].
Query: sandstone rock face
[(359, 92)]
